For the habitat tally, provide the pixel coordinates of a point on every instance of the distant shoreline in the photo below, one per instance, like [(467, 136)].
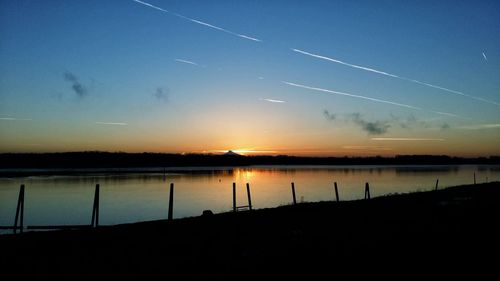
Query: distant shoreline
[(149, 161)]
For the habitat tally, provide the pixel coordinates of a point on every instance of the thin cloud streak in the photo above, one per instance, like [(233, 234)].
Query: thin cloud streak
[(350, 95), (396, 76), (366, 147), (199, 22), (186, 61), (448, 114), (112, 123), (480, 126), (405, 139), (15, 119), (271, 100)]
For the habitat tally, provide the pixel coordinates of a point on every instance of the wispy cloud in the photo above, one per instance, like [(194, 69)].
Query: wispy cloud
[(162, 94), (371, 127), (408, 122), (395, 76), (350, 95), (480, 127), (405, 139), (376, 127), (199, 22), (271, 100), (411, 122), (78, 88), (484, 56), (112, 123), (444, 126), (186, 61), (329, 116), (15, 119)]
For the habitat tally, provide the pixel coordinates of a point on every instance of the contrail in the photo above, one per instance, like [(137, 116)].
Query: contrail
[(344, 63), (112, 123), (271, 100), (396, 76), (351, 95), (405, 139), (371, 99), (186, 61), (484, 56), (199, 22)]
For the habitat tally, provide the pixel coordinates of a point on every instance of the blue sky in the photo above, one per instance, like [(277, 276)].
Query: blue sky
[(113, 75)]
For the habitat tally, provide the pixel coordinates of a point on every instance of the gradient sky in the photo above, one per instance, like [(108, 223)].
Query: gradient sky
[(266, 77)]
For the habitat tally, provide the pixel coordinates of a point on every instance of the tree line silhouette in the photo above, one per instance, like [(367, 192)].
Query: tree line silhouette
[(96, 159)]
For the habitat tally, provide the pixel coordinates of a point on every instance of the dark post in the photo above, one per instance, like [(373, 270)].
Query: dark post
[(367, 191), (95, 210), (474, 177), (171, 202), (249, 197), (336, 191), (293, 194), (437, 182), (20, 211), (234, 197)]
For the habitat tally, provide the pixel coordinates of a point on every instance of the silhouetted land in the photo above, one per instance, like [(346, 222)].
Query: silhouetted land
[(142, 160), (438, 234)]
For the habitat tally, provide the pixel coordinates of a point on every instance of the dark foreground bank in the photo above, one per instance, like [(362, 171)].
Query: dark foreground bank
[(446, 233)]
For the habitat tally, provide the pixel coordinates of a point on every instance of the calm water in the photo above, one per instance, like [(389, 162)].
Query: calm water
[(133, 197)]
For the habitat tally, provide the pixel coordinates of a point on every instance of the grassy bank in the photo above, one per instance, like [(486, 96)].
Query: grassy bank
[(445, 233)]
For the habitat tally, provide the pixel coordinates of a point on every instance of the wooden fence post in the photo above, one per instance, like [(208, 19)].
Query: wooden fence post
[(95, 209), (293, 194), (234, 197), (249, 197), (171, 202), (336, 191), (20, 211)]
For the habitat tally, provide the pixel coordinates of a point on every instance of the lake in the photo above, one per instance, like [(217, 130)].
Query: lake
[(128, 196)]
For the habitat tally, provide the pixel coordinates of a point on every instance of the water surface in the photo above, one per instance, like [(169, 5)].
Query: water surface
[(131, 197)]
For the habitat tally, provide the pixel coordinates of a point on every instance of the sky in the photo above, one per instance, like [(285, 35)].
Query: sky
[(309, 78)]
